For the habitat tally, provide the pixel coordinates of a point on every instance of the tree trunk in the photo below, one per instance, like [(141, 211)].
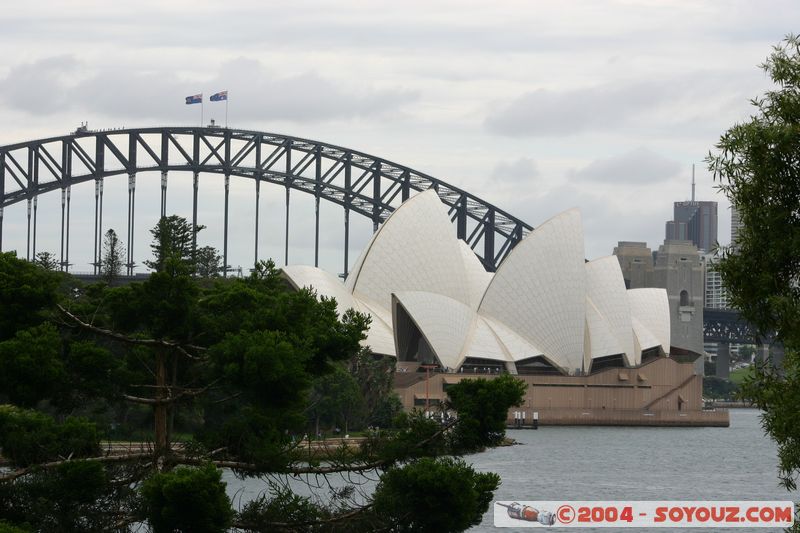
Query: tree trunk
[(160, 412), (173, 407)]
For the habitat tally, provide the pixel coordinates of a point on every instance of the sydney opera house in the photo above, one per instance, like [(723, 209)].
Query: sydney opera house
[(591, 351)]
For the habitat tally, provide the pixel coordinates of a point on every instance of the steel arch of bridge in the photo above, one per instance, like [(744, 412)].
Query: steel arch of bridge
[(359, 182), (727, 325)]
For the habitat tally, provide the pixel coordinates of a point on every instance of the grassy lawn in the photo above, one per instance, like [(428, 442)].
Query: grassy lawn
[(738, 375)]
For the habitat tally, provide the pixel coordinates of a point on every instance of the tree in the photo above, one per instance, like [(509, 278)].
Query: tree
[(187, 499), (238, 358), (412, 498), (26, 291), (173, 245), (111, 263), (47, 261), (482, 405), (209, 262), (757, 166)]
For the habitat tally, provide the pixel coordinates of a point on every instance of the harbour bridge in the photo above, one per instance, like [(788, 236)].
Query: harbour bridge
[(357, 182), (726, 327)]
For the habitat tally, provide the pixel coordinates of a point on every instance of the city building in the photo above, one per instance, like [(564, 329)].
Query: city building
[(694, 221), (636, 262), (716, 297), (676, 267), (561, 323)]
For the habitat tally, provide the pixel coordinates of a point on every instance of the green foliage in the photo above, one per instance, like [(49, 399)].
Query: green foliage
[(280, 506), (482, 406), (26, 292), (28, 437), (94, 372), (187, 499), (386, 411), (209, 262), (75, 496), (375, 377), (757, 167), (434, 495), (336, 399), (719, 388), (31, 368), (162, 306), (111, 263), (173, 238), (415, 435), (235, 366), (740, 374), (47, 261), (6, 527)]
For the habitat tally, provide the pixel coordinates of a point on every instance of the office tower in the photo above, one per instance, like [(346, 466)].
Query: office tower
[(694, 221)]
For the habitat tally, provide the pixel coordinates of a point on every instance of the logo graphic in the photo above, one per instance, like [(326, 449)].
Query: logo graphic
[(529, 514)]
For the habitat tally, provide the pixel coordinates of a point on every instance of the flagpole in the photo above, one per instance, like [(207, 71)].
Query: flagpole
[(201, 110), (226, 111)]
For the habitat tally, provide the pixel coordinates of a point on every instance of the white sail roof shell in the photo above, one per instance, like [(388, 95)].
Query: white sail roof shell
[(477, 277), (483, 343), (444, 322), (517, 347), (643, 338), (415, 250), (605, 289), (380, 337), (650, 307), (600, 341), (544, 300), (539, 290), (325, 283)]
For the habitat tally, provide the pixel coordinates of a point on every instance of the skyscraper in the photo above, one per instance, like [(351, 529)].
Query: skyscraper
[(694, 221)]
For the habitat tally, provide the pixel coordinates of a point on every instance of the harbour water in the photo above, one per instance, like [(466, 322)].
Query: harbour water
[(623, 463), (629, 463)]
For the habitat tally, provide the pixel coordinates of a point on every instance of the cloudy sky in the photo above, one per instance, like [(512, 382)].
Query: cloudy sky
[(535, 106)]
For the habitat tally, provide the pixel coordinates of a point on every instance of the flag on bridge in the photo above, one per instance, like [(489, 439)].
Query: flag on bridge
[(220, 96), (194, 99)]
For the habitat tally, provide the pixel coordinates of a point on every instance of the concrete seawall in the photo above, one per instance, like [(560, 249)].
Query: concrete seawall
[(629, 417)]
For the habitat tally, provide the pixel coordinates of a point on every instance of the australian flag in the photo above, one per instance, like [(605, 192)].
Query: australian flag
[(220, 96), (194, 99)]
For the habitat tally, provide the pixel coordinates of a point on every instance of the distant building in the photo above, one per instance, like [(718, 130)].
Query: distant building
[(695, 222), (636, 261), (716, 297), (676, 267)]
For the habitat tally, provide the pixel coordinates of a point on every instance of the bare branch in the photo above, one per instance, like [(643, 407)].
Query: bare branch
[(54, 464), (185, 393), (132, 340)]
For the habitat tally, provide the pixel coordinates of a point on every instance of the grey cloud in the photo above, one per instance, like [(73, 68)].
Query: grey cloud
[(604, 222), (40, 86), (255, 93), (688, 100), (304, 97), (523, 169), (639, 166), (544, 112)]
